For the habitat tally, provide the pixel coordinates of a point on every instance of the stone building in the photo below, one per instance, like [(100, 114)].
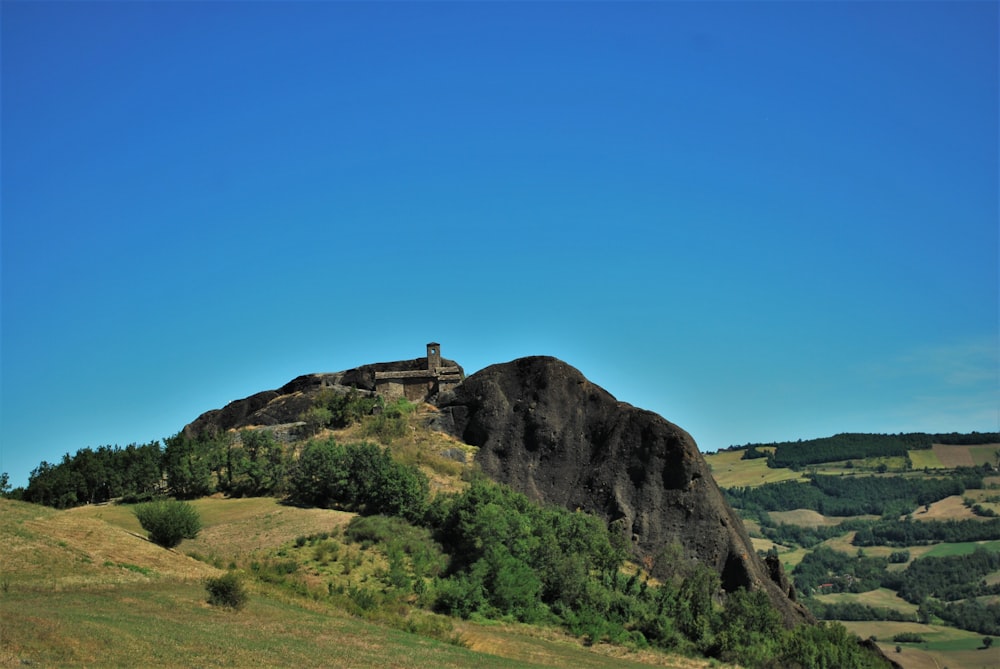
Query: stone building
[(421, 384)]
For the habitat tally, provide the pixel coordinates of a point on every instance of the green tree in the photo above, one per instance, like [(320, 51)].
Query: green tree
[(168, 522), (750, 628), (256, 467), (187, 464), (361, 477), (695, 612)]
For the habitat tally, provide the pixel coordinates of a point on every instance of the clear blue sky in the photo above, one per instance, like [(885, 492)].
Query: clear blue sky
[(764, 221)]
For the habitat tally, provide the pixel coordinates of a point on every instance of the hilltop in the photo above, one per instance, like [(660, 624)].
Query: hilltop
[(610, 524)]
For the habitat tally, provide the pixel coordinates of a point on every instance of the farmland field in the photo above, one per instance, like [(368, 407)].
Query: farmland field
[(729, 471), (879, 598), (925, 459), (942, 647)]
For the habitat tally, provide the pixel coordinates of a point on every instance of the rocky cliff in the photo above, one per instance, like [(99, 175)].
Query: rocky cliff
[(545, 430), (285, 404)]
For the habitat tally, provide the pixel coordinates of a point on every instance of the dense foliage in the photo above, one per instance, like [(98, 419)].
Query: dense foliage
[(854, 495), (826, 570), (513, 559), (946, 578), (168, 521), (93, 476), (360, 477), (855, 446), (787, 534), (910, 533)]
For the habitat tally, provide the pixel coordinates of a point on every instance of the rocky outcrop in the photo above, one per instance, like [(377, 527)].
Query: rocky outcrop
[(286, 404), (545, 430)]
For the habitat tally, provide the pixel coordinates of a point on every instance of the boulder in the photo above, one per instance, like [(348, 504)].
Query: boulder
[(548, 432)]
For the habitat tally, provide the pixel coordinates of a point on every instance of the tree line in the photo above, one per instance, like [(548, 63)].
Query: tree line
[(857, 446), (853, 495), (97, 475), (244, 464), (910, 533)]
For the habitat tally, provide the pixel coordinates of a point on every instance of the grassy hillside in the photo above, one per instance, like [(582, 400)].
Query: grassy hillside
[(81, 587)]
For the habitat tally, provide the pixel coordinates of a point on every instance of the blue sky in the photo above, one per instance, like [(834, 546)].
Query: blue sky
[(764, 221)]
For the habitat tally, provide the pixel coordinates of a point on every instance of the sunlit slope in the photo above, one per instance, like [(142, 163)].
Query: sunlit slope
[(83, 587)]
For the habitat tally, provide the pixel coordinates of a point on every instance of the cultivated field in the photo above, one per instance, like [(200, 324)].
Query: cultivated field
[(729, 471)]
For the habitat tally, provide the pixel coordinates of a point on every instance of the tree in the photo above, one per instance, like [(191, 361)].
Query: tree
[(186, 464), (168, 522), (360, 477), (987, 641), (4, 484)]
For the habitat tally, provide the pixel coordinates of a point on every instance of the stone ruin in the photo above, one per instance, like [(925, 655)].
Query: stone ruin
[(421, 384)]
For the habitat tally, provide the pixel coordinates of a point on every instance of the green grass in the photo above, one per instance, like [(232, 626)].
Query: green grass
[(946, 550), (925, 459), (111, 628), (729, 471)]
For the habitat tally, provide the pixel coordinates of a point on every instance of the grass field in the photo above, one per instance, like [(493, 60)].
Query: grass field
[(729, 471), (85, 588), (942, 647), (945, 550), (925, 459), (949, 508), (880, 598)]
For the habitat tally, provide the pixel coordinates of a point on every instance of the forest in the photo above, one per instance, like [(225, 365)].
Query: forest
[(854, 495), (857, 446)]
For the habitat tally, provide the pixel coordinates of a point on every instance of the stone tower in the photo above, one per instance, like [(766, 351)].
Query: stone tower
[(433, 356)]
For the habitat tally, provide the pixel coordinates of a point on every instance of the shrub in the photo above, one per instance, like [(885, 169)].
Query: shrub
[(168, 522), (226, 591)]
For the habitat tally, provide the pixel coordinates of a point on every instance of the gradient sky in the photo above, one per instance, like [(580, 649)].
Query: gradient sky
[(764, 221)]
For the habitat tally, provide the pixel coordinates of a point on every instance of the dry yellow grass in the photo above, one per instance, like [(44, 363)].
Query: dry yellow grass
[(67, 549), (882, 598), (953, 456), (551, 647), (233, 528), (949, 508)]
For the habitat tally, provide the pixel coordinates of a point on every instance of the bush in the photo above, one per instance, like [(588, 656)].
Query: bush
[(226, 591), (168, 522)]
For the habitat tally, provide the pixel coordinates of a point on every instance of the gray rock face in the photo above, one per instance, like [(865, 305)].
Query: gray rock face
[(546, 431)]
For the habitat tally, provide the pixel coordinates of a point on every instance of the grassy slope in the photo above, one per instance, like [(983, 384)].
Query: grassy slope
[(83, 587)]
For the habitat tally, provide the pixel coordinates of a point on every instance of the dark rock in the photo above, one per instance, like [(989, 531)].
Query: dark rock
[(286, 404), (546, 431)]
